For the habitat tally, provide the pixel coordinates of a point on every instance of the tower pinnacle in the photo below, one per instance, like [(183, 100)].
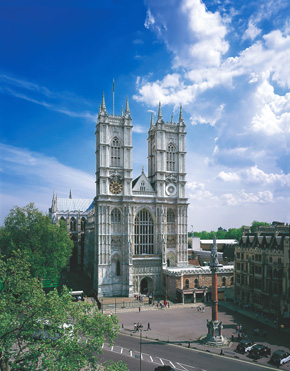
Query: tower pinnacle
[(181, 120), (103, 104), (159, 116)]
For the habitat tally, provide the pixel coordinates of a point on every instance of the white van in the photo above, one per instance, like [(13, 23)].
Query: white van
[(77, 295)]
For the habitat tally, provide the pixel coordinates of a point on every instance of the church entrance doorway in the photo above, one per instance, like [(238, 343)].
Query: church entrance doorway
[(146, 286)]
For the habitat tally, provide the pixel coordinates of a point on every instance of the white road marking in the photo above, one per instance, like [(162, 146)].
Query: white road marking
[(147, 358)]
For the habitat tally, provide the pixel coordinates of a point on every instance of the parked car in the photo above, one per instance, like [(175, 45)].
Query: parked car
[(245, 346), (164, 368), (279, 357), (258, 351)]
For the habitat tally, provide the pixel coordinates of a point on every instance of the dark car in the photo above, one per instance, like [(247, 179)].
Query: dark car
[(164, 368), (258, 351), (245, 346), (279, 357)]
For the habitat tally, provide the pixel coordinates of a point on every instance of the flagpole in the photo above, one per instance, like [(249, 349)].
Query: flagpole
[(113, 95)]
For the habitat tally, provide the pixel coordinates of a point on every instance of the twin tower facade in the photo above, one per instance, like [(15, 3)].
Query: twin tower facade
[(138, 227)]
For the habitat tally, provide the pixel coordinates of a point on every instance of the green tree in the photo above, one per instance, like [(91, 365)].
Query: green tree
[(255, 225), (45, 245), (48, 332)]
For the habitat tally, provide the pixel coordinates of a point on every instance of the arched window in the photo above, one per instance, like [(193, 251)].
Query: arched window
[(170, 158), (142, 186), (186, 286), (143, 233), (118, 268), (115, 152), (196, 283), (73, 224), (223, 281), (170, 221), (115, 221), (83, 224)]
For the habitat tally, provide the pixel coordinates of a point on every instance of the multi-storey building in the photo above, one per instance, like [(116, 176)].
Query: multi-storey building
[(262, 270), (137, 227)]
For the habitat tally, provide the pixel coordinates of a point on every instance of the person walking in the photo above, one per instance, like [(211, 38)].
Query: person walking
[(148, 327), (139, 309)]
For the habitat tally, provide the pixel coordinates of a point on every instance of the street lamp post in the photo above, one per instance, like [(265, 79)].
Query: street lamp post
[(140, 349)]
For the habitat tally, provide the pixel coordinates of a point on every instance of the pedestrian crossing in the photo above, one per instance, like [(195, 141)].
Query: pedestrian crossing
[(158, 361)]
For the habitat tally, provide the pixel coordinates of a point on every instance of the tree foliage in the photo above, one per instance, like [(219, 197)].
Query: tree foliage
[(26, 311), (232, 233), (45, 245)]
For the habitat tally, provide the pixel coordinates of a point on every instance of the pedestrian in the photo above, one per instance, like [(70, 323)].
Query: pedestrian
[(165, 303), (157, 305), (232, 337), (148, 327), (139, 309), (135, 327), (168, 305)]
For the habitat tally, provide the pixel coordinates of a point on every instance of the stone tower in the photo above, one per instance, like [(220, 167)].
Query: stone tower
[(140, 225)]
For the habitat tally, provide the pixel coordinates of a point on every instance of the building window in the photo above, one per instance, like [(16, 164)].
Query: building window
[(196, 283), (170, 221), (223, 281), (232, 281), (118, 268), (170, 157), (143, 233), (83, 224), (115, 152), (186, 286), (142, 186), (116, 221), (73, 224)]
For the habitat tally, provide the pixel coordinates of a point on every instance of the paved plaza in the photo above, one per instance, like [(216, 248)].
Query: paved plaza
[(185, 325)]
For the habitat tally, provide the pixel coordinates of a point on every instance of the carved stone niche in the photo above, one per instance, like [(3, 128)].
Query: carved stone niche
[(171, 179), (115, 176)]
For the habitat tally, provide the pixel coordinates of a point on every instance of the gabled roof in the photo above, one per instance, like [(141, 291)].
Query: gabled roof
[(73, 204), (136, 184)]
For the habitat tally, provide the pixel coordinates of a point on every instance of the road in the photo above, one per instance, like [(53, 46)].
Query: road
[(127, 349)]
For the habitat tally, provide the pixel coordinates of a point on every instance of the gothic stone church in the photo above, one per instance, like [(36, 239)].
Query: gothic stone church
[(137, 227)]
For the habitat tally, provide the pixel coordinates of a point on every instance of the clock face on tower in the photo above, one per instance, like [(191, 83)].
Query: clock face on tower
[(115, 187), (171, 189)]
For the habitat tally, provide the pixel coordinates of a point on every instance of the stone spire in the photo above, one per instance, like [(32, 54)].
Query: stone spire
[(70, 196), (181, 120), (171, 122), (159, 116), (104, 104), (100, 109), (127, 109)]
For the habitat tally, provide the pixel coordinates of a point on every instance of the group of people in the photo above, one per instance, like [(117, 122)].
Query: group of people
[(201, 308), (139, 325), (161, 305)]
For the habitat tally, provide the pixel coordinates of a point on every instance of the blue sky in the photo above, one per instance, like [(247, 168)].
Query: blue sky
[(227, 63)]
